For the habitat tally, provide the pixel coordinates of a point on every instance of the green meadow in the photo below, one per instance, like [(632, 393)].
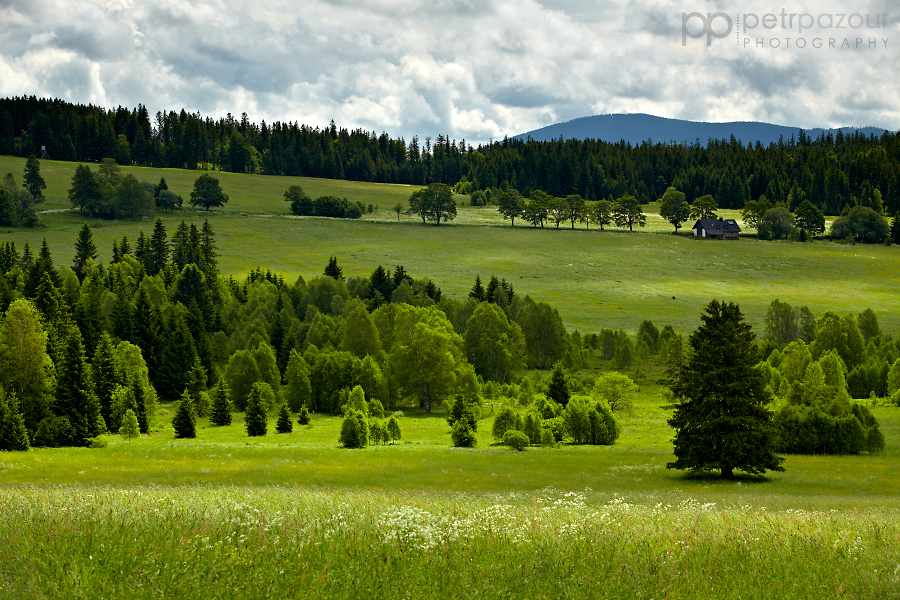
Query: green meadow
[(294, 515), (611, 279)]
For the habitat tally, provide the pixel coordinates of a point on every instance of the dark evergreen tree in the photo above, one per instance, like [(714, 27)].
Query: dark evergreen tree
[(724, 423), (148, 334), (185, 421), (380, 283), (333, 270), (140, 407), (75, 400), (103, 375), (13, 434), (178, 355), (895, 229), (255, 416), (34, 183), (558, 386), (221, 405), (284, 424), (477, 292), (158, 249)]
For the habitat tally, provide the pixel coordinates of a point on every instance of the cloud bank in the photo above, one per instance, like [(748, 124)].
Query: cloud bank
[(470, 69)]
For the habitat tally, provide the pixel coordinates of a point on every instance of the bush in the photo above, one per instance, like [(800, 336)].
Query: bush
[(462, 435), (776, 224), (503, 422), (354, 429), (303, 416), (515, 439), (53, 432), (97, 443), (129, 429), (393, 428)]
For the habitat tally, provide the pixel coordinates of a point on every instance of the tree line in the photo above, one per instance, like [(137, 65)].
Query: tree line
[(834, 172)]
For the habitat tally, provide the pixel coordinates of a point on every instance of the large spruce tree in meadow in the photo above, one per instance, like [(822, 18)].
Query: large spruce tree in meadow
[(255, 418), (185, 421), (723, 424)]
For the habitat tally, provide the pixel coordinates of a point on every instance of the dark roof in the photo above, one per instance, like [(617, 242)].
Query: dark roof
[(718, 225)]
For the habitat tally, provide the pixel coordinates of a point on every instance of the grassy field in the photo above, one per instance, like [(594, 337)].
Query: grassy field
[(227, 516), (597, 280)]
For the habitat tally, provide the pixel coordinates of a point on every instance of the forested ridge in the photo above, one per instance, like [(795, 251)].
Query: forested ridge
[(832, 172)]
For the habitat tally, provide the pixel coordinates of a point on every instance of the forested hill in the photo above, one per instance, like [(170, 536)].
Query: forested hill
[(832, 171), (638, 128)]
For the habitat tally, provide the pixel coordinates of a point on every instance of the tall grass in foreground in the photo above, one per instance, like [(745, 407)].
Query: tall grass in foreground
[(196, 542)]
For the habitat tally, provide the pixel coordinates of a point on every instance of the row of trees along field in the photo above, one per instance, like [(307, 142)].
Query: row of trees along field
[(831, 171), (80, 347)]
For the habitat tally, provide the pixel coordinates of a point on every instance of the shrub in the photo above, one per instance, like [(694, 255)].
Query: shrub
[(533, 427), (376, 408), (129, 429), (504, 421), (354, 429), (462, 435), (284, 424), (54, 431), (393, 428), (515, 439), (303, 416)]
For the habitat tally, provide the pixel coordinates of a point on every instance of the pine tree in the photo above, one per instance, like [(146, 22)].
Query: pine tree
[(284, 424), (895, 229), (75, 399), (13, 434), (178, 352), (724, 423), (477, 292), (255, 417), (85, 250), (185, 420), (148, 334), (221, 406)]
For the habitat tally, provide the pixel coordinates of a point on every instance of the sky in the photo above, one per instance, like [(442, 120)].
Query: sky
[(467, 69)]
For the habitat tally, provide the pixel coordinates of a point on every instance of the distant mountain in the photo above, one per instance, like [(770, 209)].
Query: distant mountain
[(638, 128)]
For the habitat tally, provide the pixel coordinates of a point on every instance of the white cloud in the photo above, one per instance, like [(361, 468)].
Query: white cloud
[(465, 68)]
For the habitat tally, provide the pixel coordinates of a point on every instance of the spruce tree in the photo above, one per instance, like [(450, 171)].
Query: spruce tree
[(255, 416), (34, 183), (303, 415), (221, 406), (895, 229), (85, 250), (177, 356), (558, 387), (103, 374), (158, 249), (185, 420), (284, 424), (75, 400), (333, 270), (13, 434), (724, 423)]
